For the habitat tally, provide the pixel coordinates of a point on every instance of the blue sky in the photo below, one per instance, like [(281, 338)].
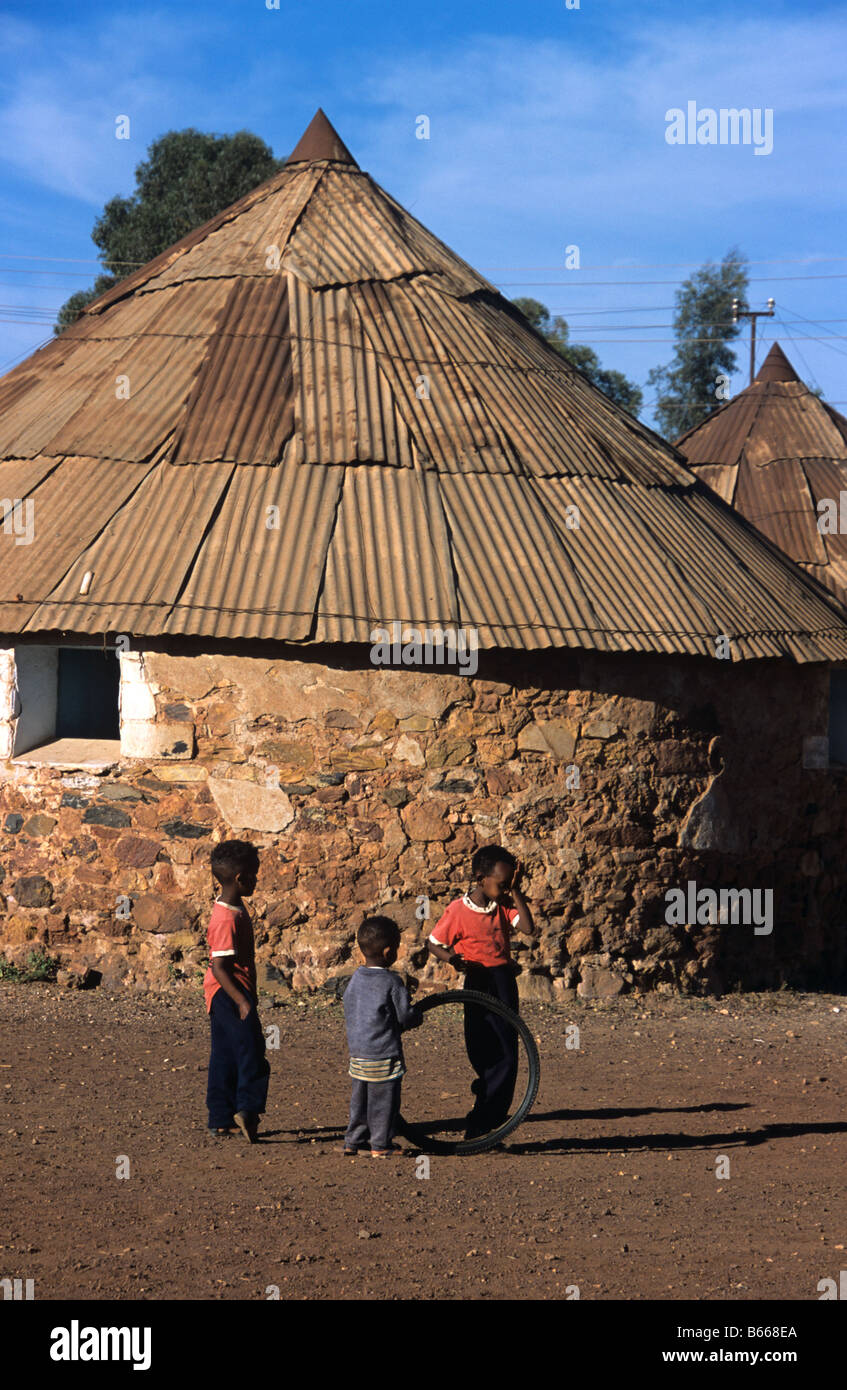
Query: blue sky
[(547, 130)]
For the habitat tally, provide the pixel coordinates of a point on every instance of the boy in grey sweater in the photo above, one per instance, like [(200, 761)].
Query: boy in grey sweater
[(377, 1009)]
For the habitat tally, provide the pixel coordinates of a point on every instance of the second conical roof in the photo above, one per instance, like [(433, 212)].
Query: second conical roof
[(777, 453)]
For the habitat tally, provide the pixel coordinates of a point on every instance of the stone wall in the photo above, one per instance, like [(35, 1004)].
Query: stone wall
[(368, 788)]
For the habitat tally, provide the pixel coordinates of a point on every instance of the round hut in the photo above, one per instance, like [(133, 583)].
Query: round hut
[(310, 539), (778, 454)]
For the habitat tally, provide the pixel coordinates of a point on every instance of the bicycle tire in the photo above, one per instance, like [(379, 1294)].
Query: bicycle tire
[(425, 1142)]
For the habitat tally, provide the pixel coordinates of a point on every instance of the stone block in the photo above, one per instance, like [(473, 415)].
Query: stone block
[(448, 751), (106, 815), (580, 941), (181, 772), (136, 853), (408, 750), (599, 983), (142, 738), (599, 728), (154, 913), (119, 791), (38, 825), (250, 806), (33, 890), (551, 736), (426, 820), (535, 988)]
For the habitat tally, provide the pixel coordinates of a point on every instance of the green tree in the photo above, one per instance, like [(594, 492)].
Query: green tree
[(186, 178), (613, 384), (704, 330)]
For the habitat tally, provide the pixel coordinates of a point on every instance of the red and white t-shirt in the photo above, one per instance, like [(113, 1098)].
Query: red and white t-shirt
[(480, 934), (231, 934)]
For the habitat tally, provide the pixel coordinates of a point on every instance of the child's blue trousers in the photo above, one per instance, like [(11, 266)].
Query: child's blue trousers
[(374, 1107), (238, 1067)]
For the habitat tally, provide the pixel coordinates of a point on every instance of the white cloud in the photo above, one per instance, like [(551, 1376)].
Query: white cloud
[(60, 100), (541, 124)]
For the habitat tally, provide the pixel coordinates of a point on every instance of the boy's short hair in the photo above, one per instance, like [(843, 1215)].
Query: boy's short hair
[(486, 859), (232, 857), (376, 933)]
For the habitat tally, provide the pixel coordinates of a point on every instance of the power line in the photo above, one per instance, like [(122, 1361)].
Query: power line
[(613, 342), (813, 323), (677, 265), (809, 373), (611, 284), (86, 260), (651, 265), (21, 356)]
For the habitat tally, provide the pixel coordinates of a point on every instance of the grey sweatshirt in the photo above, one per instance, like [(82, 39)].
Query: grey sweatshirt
[(377, 1009)]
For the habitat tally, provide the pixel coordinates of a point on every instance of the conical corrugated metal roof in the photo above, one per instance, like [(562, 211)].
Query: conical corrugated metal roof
[(775, 452), (310, 418)]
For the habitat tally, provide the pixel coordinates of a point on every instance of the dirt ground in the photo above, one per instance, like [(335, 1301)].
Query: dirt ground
[(612, 1184)]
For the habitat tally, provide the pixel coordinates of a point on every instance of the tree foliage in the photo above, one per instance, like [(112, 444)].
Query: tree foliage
[(687, 386), (557, 332), (187, 178)]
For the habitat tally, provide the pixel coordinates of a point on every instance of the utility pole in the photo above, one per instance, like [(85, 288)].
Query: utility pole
[(752, 315)]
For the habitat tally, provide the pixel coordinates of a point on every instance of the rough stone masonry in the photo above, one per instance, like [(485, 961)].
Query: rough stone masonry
[(614, 778)]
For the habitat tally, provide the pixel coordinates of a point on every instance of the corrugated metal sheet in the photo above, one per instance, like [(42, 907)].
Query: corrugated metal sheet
[(241, 406), (158, 377), (354, 232), (300, 390), (249, 244), (187, 311), (453, 425), (720, 477), (142, 557), (75, 502), (517, 584), (389, 558), (280, 188), (834, 575), (774, 452), (776, 498), (482, 393), (793, 427), (722, 436), (255, 575), (827, 479), (345, 410), (81, 406)]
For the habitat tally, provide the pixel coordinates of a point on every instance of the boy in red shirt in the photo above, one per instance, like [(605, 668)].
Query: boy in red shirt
[(473, 935), (238, 1068)]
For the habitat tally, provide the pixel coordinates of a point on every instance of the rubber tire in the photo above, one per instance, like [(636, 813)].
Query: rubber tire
[(485, 1141)]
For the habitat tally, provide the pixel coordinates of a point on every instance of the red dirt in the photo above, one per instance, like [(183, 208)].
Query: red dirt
[(609, 1185)]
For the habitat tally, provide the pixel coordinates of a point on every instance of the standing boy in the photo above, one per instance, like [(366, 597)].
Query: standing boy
[(377, 1010), (238, 1067), (473, 935)]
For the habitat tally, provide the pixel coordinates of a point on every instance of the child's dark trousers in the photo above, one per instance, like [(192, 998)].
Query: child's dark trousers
[(492, 1046), (374, 1107), (238, 1067)]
